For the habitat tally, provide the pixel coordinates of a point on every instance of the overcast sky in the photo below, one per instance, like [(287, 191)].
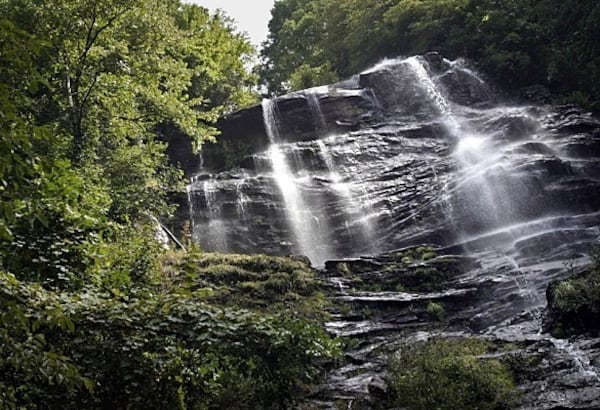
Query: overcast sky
[(252, 16)]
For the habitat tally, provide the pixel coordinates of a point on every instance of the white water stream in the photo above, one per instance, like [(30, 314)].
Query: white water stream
[(309, 230), (481, 167), (315, 108), (483, 198), (216, 224)]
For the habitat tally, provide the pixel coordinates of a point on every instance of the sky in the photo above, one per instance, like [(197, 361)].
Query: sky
[(251, 16)]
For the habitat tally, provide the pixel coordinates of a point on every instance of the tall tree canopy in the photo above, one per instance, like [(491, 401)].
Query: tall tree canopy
[(86, 86), (520, 43)]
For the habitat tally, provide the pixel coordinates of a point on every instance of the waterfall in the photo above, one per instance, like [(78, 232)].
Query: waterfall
[(190, 201), (432, 91), (357, 213), (480, 189), (484, 189), (414, 150), (309, 230), (312, 98), (580, 359), (242, 199), (410, 140), (216, 229), (337, 184), (414, 157), (481, 170)]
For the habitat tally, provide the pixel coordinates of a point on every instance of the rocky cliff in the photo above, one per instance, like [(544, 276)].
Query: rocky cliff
[(359, 175)]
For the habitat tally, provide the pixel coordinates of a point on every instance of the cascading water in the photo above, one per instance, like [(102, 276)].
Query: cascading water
[(308, 229), (426, 83), (315, 108), (216, 224), (242, 199), (415, 151), (392, 172), (357, 213), (484, 188), (485, 183), (189, 195), (580, 359)]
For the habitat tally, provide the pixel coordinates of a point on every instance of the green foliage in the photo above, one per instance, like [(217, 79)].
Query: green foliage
[(343, 269), (574, 304), (152, 349), (306, 76), (156, 353), (18, 164), (85, 88), (519, 43), (406, 256), (414, 269), (53, 225), (123, 259), (30, 367), (256, 282), (95, 315), (449, 374), (436, 310), (293, 41)]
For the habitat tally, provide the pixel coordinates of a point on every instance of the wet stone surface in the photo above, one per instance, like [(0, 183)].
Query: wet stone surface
[(431, 208), (550, 373)]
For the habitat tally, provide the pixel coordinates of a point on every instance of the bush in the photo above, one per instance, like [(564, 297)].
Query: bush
[(31, 369), (60, 217), (448, 375), (436, 310), (127, 256), (574, 304), (149, 351)]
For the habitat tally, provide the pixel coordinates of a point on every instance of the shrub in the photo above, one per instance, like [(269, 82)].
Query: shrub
[(436, 310), (32, 370), (60, 218), (448, 375), (574, 304), (343, 269), (128, 256), (90, 350)]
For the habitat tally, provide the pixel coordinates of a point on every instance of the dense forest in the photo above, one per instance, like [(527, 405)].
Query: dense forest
[(547, 50), (96, 312)]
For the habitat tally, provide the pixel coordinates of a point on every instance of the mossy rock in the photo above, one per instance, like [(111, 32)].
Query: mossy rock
[(257, 282)]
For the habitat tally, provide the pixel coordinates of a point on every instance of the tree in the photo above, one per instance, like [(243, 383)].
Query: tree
[(294, 45), (87, 87), (518, 43)]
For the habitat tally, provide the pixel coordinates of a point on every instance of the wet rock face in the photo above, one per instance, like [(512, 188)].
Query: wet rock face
[(398, 86), (408, 295), (301, 117), (411, 152)]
